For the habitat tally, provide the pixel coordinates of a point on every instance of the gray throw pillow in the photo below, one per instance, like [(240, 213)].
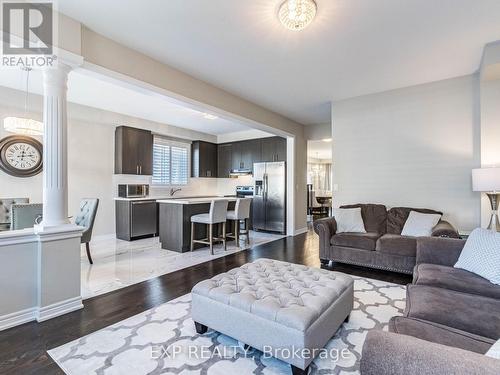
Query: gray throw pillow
[(481, 255), (494, 351)]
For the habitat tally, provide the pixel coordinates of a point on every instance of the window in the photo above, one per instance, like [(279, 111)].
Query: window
[(170, 162)]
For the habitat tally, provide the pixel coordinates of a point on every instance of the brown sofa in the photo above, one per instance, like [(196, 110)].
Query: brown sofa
[(382, 246), (452, 318)]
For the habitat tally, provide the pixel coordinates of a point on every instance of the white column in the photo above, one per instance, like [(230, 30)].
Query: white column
[(55, 152)]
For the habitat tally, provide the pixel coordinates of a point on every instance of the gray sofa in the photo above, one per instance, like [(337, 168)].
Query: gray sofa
[(452, 318), (382, 246)]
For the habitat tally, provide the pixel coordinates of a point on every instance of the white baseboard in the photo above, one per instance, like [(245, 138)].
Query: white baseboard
[(17, 318), (300, 231), (59, 308)]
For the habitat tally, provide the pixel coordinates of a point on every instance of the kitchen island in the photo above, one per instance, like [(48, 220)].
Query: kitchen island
[(175, 221)]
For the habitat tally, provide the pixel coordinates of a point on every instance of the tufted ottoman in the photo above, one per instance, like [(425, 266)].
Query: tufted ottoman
[(272, 304)]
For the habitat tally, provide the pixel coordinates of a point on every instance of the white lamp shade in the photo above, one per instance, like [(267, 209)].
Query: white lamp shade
[(486, 179)]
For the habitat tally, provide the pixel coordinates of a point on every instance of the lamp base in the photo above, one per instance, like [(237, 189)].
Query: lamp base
[(494, 201)]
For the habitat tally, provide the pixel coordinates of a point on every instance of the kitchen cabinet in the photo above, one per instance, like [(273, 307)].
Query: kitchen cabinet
[(273, 149), (136, 219), (224, 160), (203, 159), (133, 151), (245, 153)]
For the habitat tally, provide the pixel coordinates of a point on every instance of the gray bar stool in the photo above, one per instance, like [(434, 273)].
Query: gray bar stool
[(217, 215), (241, 212)]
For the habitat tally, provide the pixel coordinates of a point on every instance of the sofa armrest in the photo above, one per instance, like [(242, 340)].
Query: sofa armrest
[(438, 250), (387, 353), (444, 229), (325, 228)]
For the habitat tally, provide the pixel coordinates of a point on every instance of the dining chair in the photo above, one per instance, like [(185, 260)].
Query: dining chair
[(86, 218)]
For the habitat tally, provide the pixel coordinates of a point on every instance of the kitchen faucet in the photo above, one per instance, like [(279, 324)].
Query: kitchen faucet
[(173, 191)]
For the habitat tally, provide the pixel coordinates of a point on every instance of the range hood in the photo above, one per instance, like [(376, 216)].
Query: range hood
[(240, 172)]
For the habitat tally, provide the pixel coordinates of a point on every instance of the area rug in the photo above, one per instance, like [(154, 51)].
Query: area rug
[(163, 341)]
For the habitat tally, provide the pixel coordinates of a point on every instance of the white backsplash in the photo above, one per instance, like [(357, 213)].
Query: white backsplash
[(195, 187)]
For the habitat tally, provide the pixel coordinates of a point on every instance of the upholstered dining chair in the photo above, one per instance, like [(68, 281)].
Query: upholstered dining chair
[(25, 215), (85, 218), (5, 210)]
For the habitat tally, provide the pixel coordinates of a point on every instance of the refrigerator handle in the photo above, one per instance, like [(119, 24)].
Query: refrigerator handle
[(266, 186)]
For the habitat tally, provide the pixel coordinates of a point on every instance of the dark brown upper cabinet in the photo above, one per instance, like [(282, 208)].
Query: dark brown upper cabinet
[(133, 151), (224, 160), (273, 149), (203, 159), (245, 153)]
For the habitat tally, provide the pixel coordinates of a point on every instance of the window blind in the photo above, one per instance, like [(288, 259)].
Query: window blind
[(170, 162)]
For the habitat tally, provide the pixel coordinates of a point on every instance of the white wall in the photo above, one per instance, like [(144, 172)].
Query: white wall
[(490, 135), (411, 147), (91, 159)]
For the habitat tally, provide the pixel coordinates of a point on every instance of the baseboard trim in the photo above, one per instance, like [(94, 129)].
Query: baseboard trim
[(300, 231), (17, 318), (59, 308)]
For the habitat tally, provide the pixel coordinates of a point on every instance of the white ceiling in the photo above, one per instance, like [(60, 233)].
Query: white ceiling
[(319, 150), (94, 92), (352, 48)]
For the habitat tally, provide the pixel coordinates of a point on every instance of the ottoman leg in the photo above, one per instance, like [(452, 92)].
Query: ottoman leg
[(325, 262), (200, 328), (347, 318), (299, 371)]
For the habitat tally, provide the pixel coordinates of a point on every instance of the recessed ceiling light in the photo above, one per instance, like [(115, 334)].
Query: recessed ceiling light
[(327, 140), (297, 14), (209, 116)]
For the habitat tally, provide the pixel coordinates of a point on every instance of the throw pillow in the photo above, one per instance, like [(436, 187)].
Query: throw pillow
[(481, 255), (420, 225), (494, 351), (349, 220)]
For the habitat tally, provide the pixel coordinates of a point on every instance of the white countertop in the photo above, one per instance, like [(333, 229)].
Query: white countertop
[(195, 200), (181, 200), (140, 199)]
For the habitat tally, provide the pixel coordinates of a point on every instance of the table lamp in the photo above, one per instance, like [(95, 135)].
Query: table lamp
[(487, 180)]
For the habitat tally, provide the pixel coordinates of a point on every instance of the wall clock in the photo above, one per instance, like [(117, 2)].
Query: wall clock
[(21, 156)]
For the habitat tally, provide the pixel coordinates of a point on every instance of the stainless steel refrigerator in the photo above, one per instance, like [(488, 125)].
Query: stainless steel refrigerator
[(269, 199)]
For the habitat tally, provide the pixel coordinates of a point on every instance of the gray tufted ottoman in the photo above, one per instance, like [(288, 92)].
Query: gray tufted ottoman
[(272, 304)]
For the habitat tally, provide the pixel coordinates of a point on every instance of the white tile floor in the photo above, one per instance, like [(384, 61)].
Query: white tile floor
[(118, 264)]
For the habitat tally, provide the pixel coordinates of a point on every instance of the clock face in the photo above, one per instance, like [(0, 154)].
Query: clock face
[(20, 156)]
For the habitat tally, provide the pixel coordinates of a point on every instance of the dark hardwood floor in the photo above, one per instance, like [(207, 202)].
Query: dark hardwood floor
[(23, 349)]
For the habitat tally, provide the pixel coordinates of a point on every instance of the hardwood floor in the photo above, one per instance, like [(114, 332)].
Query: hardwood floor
[(23, 349)]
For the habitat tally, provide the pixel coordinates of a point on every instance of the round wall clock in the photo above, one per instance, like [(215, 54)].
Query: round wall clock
[(21, 156)]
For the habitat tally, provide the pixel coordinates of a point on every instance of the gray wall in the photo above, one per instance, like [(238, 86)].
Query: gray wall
[(412, 147)]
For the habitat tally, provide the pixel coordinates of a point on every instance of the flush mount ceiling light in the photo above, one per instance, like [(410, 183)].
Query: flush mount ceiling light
[(209, 116), (297, 14)]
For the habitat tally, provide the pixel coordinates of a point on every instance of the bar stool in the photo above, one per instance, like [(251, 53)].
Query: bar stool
[(217, 215), (241, 212)]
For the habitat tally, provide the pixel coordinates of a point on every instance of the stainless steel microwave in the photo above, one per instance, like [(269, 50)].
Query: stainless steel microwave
[(133, 191)]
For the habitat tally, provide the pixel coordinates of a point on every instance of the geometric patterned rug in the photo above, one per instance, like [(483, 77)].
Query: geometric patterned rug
[(163, 340)]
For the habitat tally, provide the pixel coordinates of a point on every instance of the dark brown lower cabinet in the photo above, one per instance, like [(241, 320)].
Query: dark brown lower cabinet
[(136, 219)]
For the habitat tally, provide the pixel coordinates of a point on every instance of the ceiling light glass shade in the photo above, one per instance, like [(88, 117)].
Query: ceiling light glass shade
[(209, 116), (297, 14), (24, 126)]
